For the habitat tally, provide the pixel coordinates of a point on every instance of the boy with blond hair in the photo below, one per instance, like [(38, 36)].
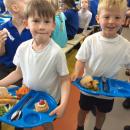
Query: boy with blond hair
[(102, 54)]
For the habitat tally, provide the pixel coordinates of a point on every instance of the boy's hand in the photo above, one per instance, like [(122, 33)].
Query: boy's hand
[(3, 36), (74, 76), (59, 111)]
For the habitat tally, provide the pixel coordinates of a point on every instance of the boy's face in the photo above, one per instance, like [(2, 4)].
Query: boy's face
[(110, 21), (84, 4), (41, 28)]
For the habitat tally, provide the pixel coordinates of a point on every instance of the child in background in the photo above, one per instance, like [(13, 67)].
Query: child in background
[(38, 60), (93, 4), (84, 16), (102, 54), (59, 35), (72, 19), (16, 28), (12, 34)]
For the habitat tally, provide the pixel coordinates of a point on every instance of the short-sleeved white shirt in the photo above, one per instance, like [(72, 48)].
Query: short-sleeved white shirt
[(84, 18), (41, 70), (103, 56)]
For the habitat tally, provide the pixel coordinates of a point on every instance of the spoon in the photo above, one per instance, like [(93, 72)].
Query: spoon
[(16, 115)]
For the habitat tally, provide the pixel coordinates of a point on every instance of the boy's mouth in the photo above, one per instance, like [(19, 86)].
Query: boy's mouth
[(111, 28), (42, 33)]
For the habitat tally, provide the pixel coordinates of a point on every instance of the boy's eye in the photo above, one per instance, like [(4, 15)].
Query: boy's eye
[(106, 17), (47, 21), (117, 17), (35, 20)]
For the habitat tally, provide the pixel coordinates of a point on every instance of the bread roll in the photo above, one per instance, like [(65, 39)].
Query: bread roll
[(89, 83), (86, 81), (3, 91)]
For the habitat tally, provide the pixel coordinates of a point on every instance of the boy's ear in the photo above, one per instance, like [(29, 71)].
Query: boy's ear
[(14, 7), (54, 25), (123, 20), (26, 24), (97, 18)]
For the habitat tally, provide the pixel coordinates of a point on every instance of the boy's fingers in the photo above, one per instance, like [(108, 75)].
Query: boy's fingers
[(73, 78), (52, 113)]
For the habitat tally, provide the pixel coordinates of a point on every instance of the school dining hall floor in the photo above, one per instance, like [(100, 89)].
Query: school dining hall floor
[(115, 120)]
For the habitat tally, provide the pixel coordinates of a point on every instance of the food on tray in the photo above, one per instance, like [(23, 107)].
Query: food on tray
[(8, 101), (89, 83), (23, 90), (4, 92), (41, 106), (6, 98), (4, 109)]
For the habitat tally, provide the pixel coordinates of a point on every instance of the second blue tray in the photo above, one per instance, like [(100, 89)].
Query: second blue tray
[(117, 88), (30, 118)]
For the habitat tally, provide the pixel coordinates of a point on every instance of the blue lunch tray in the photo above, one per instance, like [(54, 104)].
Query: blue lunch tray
[(116, 88), (30, 118)]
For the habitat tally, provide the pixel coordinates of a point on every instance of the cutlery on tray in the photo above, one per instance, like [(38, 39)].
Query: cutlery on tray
[(105, 84), (18, 113)]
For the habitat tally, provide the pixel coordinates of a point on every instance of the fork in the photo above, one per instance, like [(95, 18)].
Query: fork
[(105, 85)]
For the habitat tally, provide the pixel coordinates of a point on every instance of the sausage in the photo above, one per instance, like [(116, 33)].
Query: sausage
[(8, 97), (8, 101)]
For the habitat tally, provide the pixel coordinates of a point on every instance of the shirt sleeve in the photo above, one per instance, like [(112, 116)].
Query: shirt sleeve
[(16, 59), (61, 64)]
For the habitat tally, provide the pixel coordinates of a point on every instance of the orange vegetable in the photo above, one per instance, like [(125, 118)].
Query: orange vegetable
[(23, 90)]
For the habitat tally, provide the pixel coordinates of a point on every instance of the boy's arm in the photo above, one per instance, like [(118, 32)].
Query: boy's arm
[(79, 67), (11, 78), (3, 37), (65, 91)]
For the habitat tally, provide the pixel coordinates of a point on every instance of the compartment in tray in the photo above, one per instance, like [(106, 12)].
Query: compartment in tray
[(87, 90), (31, 118), (119, 87), (42, 96), (20, 103)]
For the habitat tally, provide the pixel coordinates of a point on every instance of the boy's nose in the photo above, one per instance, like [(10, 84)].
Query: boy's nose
[(42, 25), (111, 20)]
